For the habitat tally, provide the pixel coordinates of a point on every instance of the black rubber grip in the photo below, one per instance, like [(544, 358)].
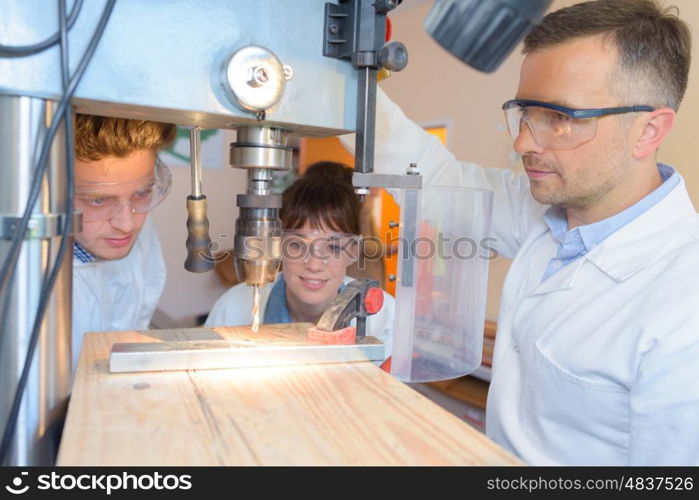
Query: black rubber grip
[(199, 258)]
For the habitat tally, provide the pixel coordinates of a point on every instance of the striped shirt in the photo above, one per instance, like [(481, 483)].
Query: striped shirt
[(81, 254)]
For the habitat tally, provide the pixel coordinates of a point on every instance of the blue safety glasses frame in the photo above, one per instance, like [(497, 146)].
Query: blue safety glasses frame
[(576, 113), (558, 127)]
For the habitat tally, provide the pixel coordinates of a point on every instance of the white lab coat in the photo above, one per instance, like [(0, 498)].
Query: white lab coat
[(118, 294), (599, 364), (234, 308)]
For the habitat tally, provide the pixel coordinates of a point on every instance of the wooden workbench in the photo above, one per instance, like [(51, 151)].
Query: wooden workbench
[(339, 414)]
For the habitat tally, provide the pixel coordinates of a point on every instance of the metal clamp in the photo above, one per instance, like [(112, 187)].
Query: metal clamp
[(40, 227), (349, 304)]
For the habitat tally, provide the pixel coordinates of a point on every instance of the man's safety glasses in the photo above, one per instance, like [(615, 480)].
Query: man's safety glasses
[(101, 201), (558, 127)]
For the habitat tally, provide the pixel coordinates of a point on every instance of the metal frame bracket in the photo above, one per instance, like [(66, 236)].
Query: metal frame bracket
[(40, 227), (408, 181)]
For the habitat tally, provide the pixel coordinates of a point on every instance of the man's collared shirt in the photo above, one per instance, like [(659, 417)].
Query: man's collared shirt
[(579, 241), (81, 254)]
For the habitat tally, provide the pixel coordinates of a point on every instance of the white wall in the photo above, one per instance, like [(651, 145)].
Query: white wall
[(679, 150)]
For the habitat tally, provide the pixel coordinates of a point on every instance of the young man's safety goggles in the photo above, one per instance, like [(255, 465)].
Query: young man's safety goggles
[(558, 127), (101, 201), (332, 249)]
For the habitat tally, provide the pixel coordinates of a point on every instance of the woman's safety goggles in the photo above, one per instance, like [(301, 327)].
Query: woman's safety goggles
[(558, 127), (101, 201), (333, 249)]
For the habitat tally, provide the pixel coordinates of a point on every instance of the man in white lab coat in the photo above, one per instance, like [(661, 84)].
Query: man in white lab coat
[(597, 353), (118, 267)]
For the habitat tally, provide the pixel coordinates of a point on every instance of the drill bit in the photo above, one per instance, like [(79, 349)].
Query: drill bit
[(255, 308)]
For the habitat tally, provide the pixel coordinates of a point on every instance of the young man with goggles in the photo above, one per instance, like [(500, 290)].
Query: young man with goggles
[(118, 267), (596, 352)]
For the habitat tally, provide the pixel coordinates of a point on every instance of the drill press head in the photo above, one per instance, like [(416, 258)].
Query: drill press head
[(258, 229)]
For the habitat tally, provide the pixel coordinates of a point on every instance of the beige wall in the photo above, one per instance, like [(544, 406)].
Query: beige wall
[(437, 88), (186, 294)]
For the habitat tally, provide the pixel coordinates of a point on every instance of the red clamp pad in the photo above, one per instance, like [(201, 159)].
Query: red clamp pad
[(373, 300), (345, 336)]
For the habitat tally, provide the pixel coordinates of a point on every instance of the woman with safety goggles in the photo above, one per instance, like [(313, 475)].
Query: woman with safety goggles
[(320, 216)]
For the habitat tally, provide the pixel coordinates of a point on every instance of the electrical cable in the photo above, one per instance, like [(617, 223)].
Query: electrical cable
[(8, 267), (28, 50), (63, 112)]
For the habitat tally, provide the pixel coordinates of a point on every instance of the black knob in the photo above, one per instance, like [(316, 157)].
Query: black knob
[(393, 56), (384, 6)]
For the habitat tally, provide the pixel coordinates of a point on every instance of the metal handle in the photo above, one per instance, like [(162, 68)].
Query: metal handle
[(198, 240), (194, 149)]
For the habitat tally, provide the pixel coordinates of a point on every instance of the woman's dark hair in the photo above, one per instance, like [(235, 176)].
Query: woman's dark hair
[(331, 169), (325, 201)]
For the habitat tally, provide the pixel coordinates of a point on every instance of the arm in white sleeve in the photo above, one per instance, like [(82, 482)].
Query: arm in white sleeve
[(234, 308), (400, 142)]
